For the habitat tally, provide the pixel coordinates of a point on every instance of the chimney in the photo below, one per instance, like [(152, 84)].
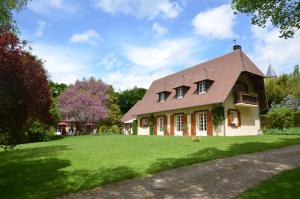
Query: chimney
[(237, 47)]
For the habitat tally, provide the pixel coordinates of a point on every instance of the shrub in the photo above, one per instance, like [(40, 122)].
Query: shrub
[(151, 125), (196, 139), (289, 131), (39, 132), (115, 129), (281, 118), (103, 129), (134, 127)]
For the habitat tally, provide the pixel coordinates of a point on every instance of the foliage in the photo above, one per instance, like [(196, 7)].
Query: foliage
[(129, 97), (278, 88), (50, 169), (85, 101), (115, 129), (103, 129), (288, 102), (114, 112), (24, 91), (6, 13), (39, 132), (196, 139), (56, 89), (283, 14), (151, 125), (286, 131), (218, 115), (134, 127), (281, 118), (283, 185)]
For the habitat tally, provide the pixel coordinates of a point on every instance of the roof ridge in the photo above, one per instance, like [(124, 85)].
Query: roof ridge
[(196, 65)]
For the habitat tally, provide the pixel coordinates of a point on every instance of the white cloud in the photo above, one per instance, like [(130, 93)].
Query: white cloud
[(159, 30), (50, 7), (140, 8), (110, 61), (90, 36), (41, 28), (167, 53), (283, 54), (216, 23), (60, 62)]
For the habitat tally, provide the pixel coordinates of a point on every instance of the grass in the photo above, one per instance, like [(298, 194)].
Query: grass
[(49, 169), (285, 185)]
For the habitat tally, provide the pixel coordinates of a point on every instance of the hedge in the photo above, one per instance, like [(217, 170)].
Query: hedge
[(266, 124)]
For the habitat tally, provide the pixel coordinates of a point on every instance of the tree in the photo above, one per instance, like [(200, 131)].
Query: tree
[(114, 113), (283, 14), (6, 15), (24, 91), (85, 101), (56, 89), (129, 97)]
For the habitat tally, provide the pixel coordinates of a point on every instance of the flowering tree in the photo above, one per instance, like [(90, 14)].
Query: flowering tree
[(86, 101), (24, 91)]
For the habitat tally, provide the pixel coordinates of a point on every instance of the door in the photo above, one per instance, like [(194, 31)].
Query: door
[(202, 124), (160, 126), (179, 131)]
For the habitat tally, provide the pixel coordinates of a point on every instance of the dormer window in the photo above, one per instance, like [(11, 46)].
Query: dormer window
[(162, 96), (179, 92), (203, 86)]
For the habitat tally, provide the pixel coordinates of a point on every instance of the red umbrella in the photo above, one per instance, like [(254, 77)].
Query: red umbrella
[(62, 124)]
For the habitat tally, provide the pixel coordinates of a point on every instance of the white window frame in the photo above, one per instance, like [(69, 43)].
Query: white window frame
[(201, 87), (179, 118), (162, 97), (234, 117), (161, 124), (179, 92)]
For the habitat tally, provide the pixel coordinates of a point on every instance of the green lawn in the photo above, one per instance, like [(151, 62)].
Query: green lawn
[(45, 170), (285, 185)]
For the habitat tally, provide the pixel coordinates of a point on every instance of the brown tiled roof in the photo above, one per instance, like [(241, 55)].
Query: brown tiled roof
[(131, 113), (224, 71)]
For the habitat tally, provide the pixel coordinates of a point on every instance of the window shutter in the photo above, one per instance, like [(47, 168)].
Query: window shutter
[(229, 119), (193, 121), (239, 118), (155, 125), (165, 125), (172, 124), (141, 122), (184, 124), (209, 126)]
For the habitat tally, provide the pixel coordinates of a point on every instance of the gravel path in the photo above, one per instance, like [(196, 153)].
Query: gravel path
[(224, 178)]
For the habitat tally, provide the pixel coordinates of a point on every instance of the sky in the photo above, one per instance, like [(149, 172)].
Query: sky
[(130, 43)]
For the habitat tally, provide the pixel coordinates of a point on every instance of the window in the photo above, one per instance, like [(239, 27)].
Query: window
[(179, 122), (234, 117), (179, 92), (202, 87), (202, 123), (161, 124), (145, 122), (162, 97)]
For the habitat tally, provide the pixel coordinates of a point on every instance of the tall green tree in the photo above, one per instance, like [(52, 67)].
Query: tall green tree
[(56, 89), (7, 7), (283, 14), (129, 97), (114, 112)]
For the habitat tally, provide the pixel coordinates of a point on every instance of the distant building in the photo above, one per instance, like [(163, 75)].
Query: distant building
[(271, 72)]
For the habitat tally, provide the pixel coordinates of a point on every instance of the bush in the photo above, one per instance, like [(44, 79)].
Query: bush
[(281, 118), (289, 131), (196, 139), (151, 125), (134, 127), (103, 129), (39, 132), (114, 129)]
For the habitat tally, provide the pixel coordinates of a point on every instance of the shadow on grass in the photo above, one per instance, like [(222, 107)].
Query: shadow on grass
[(212, 153), (37, 173)]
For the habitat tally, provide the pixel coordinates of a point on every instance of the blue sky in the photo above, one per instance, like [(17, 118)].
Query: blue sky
[(133, 42)]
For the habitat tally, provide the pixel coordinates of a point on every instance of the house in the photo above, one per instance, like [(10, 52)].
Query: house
[(183, 103)]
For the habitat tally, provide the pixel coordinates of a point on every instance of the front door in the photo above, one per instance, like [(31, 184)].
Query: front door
[(160, 126), (179, 131), (202, 124)]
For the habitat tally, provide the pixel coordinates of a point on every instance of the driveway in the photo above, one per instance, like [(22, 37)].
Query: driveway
[(223, 178)]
